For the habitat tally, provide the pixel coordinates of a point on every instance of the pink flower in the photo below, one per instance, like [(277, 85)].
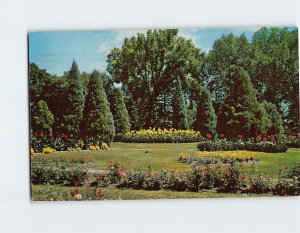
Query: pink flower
[(122, 174), (258, 137), (240, 136), (208, 136), (222, 135), (251, 187)]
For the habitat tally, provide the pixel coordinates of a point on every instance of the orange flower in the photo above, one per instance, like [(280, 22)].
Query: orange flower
[(74, 192), (100, 193)]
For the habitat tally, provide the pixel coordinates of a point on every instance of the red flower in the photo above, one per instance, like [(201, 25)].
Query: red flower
[(208, 136), (222, 135), (74, 192), (100, 193), (251, 187), (76, 183), (283, 192), (240, 136), (41, 134), (258, 137), (264, 140), (100, 176)]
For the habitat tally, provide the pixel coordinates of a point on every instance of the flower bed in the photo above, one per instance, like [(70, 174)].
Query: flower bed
[(41, 143), (56, 171), (229, 178), (162, 136), (269, 147), (224, 157)]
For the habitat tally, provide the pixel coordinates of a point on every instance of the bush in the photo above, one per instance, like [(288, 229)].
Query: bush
[(268, 147), (47, 171), (294, 142), (220, 178)]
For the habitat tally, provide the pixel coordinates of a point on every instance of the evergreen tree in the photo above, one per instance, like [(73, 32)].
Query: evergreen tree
[(97, 123), (120, 113), (243, 113), (275, 117), (206, 119), (74, 104), (42, 118), (180, 120)]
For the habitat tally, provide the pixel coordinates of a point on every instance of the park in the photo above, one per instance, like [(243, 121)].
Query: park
[(170, 120)]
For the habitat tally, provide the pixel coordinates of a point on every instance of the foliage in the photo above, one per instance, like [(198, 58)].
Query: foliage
[(275, 72), (179, 116), (294, 141), (120, 113), (153, 61), (42, 118), (97, 123), (206, 119), (267, 146), (162, 135), (276, 120), (73, 104), (243, 114), (44, 172)]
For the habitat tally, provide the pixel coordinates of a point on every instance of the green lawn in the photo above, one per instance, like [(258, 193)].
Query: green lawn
[(48, 193), (165, 156)]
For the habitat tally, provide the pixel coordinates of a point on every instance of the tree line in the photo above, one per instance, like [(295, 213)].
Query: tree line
[(240, 87)]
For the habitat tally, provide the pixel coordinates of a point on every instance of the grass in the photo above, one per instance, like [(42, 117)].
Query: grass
[(48, 193), (165, 156)]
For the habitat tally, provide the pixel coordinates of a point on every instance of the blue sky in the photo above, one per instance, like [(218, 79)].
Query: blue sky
[(54, 51)]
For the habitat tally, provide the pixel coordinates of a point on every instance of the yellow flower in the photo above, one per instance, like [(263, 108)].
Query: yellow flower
[(32, 151), (47, 150)]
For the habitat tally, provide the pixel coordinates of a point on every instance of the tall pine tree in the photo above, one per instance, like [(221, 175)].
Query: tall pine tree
[(206, 119), (180, 120), (97, 123), (120, 113), (276, 120), (243, 113), (41, 118), (74, 104)]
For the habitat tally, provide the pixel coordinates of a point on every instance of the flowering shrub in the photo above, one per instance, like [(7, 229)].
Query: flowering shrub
[(162, 136), (220, 178), (48, 150), (269, 147), (44, 171), (223, 157), (104, 146), (93, 148), (294, 140)]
